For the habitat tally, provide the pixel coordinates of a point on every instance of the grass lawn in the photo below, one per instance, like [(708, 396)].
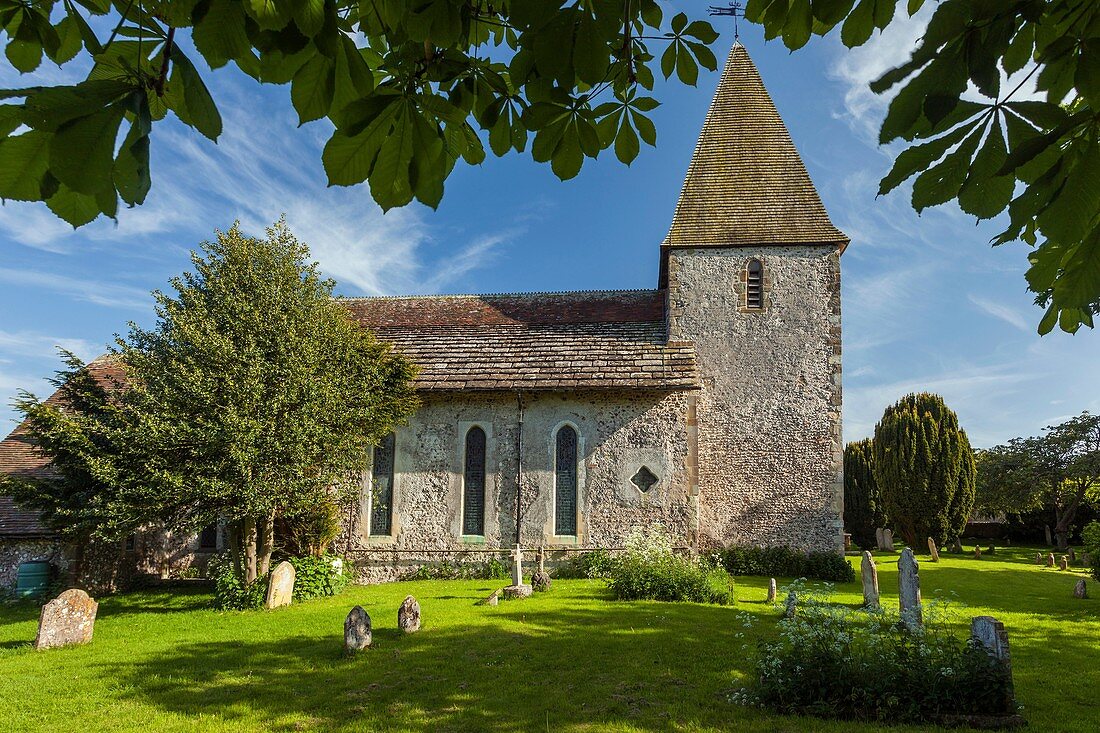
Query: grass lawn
[(569, 660)]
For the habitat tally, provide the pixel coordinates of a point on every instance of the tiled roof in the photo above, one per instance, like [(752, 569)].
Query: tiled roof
[(534, 341), (20, 457), (746, 184)]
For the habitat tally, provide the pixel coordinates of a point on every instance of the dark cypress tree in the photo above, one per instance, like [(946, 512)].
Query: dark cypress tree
[(862, 505), (924, 468)]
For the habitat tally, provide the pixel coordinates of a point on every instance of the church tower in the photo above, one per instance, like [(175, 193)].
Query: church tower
[(751, 267)]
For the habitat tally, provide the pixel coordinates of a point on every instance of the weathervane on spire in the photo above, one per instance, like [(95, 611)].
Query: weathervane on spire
[(734, 10)]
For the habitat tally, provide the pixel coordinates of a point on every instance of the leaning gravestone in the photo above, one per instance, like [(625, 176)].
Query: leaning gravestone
[(888, 539), (909, 590), (67, 619), (771, 590), (991, 634), (869, 576), (280, 588), (408, 615), (357, 630), (880, 538), (933, 551), (1081, 589)]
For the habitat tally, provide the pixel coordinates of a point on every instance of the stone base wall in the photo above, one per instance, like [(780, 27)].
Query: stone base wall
[(15, 552)]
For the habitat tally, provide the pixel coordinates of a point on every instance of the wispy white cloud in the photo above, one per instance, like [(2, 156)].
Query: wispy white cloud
[(90, 290), (1005, 313), (26, 343)]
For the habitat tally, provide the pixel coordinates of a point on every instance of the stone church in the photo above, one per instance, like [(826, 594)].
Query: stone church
[(710, 404)]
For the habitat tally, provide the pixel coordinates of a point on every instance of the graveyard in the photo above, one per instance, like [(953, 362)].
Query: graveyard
[(569, 659)]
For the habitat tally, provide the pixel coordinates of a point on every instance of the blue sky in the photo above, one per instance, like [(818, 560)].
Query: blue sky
[(928, 305)]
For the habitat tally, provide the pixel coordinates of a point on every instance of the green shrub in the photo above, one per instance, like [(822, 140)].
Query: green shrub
[(229, 593), (318, 576), (784, 562), (831, 661), (1090, 535), (492, 569), (591, 564), (650, 569)]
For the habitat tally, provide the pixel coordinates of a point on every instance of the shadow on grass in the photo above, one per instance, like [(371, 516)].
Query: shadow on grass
[(516, 668)]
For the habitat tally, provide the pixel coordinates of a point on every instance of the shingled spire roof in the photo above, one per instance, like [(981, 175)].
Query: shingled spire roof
[(746, 183)]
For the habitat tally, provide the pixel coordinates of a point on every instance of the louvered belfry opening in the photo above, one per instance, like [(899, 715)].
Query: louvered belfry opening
[(754, 284), (565, 483), (473, 484), (381, 506)]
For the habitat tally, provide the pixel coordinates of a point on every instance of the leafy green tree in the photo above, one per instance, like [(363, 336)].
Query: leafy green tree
[(1055, 472), (83, 430), (922, 460), (411, 87), (862, 505), (256, 395), (1039, 159)]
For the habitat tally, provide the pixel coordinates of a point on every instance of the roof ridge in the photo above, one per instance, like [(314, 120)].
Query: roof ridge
[(457, 296)]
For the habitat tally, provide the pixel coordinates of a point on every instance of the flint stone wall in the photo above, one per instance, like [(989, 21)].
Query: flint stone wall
[(770, 450)]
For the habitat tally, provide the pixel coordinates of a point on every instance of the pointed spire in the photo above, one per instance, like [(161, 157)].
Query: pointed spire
[(746, 183)]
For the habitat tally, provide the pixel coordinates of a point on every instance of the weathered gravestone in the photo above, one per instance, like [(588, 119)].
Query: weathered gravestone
[(1050, 560), (909, 590), (888, 539), (992, 635), (1050, 539), (1081, 589), (1038, 558), (771, 590), (357, 630), (408, 615), (67, 619), (933, 551), (869, 576), (1072, 556), (280, 587), (540, 580), (880, 538), (977, 552), (1063, 564), (492, 600), (790, 608), (956, 547)]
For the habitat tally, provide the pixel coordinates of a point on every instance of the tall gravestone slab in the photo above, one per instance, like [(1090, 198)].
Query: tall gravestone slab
[(1050, 559), (1063, 564), (280, 587), (880, 538), (771, 590), (992, 635), (933, 550), (1081, 589), (869, 576), (67, 619), (909, 590), (888, 539), (357, 630), (408, 615), (1049, 537)]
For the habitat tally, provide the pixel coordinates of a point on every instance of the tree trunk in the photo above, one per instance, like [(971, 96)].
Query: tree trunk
[(248, 539), (1065, 516), (267, 542), (233, 536)]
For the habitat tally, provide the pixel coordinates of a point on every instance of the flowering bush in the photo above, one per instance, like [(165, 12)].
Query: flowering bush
[(831, 661), (784, 562), (318, 575), (649, 568)]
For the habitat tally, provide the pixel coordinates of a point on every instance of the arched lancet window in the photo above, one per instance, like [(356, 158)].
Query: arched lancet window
[(381, 500), (565, 482), (754, 284), (473, 484)]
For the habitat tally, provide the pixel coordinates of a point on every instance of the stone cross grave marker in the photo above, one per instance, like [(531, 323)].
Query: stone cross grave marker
[(357, 630), (933, 550), (888, 539), (992, 635), (909, 590), (408, 615), (280, 587), (517, 566), (869, 575), (67, 619), (771, 590)]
